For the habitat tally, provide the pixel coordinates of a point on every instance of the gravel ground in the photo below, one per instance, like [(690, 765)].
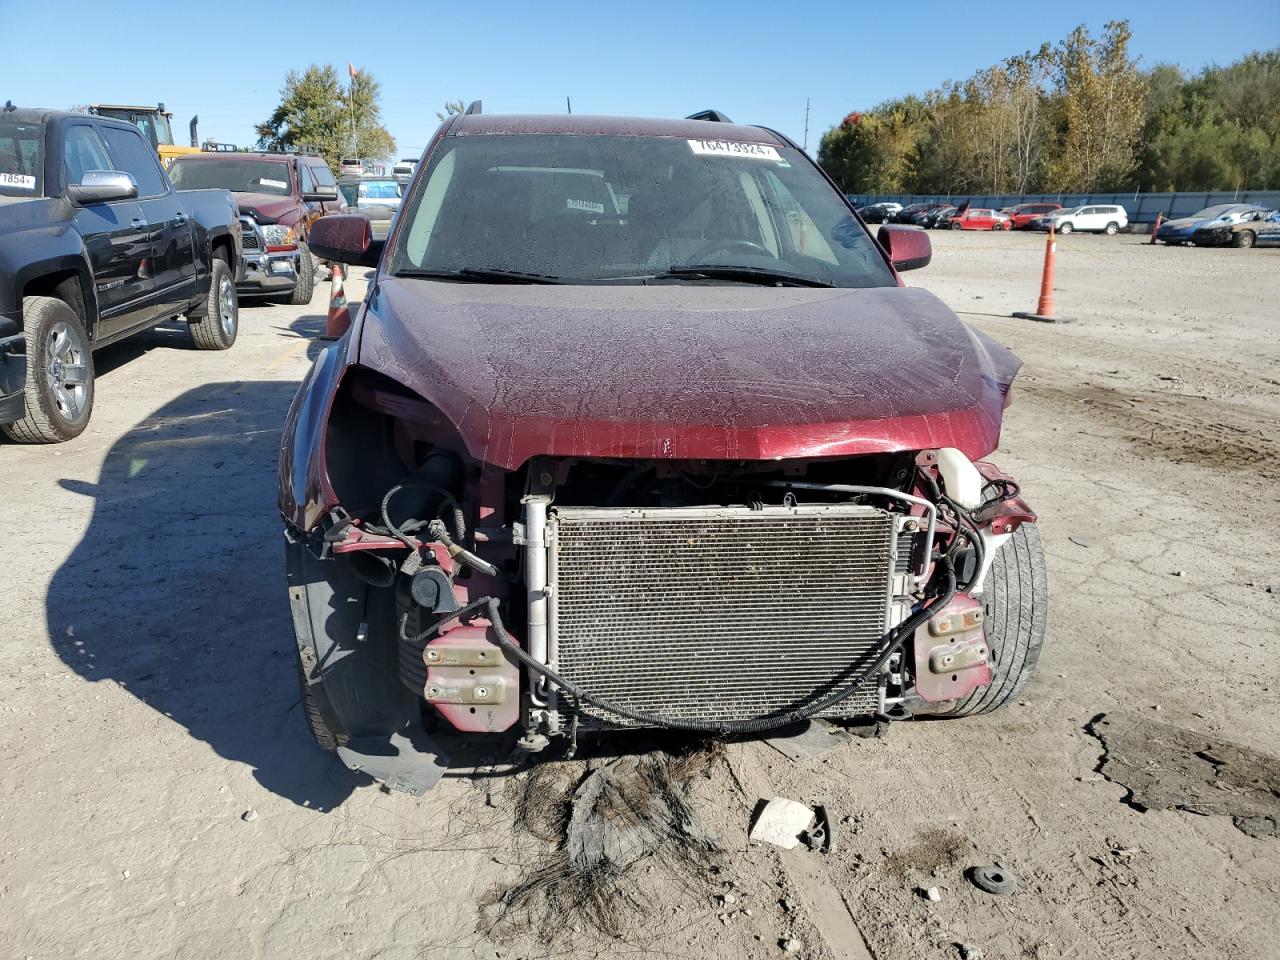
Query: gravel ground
[(161, 798)]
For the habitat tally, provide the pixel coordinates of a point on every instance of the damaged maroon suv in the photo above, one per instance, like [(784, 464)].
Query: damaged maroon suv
[(638, 427)]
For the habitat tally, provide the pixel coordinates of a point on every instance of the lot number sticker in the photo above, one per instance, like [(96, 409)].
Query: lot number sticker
[(281, 184), (732, 148), (19, 180), (588, 205)]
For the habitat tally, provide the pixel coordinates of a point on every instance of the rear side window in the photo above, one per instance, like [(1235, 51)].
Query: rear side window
[(134, 155), (82, 151), (21, 159)]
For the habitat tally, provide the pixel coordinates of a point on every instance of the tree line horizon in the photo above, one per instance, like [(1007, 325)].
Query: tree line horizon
[(1078, 116)]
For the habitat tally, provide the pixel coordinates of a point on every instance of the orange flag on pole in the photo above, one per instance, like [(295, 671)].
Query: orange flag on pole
[(351, 70)]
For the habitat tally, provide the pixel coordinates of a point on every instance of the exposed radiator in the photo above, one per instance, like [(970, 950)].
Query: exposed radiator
[(718, 613)]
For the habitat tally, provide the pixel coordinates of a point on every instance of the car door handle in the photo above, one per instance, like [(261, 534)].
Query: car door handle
[(138, 223)]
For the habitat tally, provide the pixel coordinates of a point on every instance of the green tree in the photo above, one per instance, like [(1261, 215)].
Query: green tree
[(450, 108), (316, 110)]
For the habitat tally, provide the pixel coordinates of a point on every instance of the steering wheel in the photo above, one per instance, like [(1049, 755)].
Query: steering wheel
[(732, 246)]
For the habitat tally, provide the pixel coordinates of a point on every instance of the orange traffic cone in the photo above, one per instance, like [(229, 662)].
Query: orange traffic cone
[(1044, 309), (339, 319)]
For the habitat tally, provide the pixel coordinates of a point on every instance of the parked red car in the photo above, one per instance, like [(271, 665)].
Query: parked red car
[(978, 218), (696, 459), (1023, 214)]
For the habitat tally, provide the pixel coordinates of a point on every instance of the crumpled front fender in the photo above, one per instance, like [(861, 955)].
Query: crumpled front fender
[(305, 494)]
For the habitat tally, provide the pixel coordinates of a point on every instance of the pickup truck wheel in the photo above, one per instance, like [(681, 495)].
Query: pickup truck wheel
[(306, 284), (59, 391), (219, 320), (1015, 601)]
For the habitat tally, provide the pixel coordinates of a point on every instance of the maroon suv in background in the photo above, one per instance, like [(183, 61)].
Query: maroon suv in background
[(280, 196), (1024, 214)]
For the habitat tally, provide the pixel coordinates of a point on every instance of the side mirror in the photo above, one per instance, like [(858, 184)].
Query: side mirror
[(103, 186), (345, 238), (908, 247), (321, 194)]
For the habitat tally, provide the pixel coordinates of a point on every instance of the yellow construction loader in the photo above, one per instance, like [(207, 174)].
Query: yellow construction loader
[(155, 123)]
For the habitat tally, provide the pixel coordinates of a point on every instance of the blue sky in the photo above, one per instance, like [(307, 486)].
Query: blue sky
[(756, 61)]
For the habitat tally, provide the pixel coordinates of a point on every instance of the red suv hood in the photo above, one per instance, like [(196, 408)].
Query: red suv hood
[(265, 207), (688, 371)]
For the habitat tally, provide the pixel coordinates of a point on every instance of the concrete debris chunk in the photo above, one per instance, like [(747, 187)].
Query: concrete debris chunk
[(790, 945), (933, 895), (781, 823), (249, 816)]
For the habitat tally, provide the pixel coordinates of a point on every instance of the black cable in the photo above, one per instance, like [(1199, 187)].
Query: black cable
[(447, 499), (893, 641)]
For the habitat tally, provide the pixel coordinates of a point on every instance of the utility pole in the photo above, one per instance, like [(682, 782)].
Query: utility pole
[(806, 124), (568, 104), (351, 100)]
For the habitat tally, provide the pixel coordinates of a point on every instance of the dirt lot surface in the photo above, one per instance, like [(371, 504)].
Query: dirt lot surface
[(161, 797)]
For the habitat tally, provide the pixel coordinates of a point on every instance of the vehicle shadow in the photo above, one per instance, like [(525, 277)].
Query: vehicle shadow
[(311, 328), (176, 591)]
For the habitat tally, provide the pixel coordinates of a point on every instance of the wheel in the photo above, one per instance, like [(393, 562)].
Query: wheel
[(1111, 229), (957, 226), (217, 322), (59, 390), (306, 285), (325, 736), (1015, 601), (1243, 240), (1066, 227)]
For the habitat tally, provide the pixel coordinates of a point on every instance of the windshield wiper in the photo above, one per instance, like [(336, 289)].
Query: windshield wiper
[(480, 275), (761, 275)]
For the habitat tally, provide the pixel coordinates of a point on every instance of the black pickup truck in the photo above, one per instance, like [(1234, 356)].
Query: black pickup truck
[(97, 245)]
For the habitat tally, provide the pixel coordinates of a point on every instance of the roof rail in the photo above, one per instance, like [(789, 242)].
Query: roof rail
[(475, 106), (715, 116)]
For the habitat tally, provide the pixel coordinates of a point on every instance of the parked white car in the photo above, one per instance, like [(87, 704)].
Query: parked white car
[(1094, 218)]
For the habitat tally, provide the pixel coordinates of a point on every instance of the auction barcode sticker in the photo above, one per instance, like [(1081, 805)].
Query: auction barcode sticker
[(733, 148), (19, 180), (278, 184)]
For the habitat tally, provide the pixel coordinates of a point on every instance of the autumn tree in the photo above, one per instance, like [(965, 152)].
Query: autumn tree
[(1101, 109), (316, 110)]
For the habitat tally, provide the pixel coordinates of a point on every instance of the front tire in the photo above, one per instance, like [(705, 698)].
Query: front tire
[(59, 389), (956, 226), (218, 323), (1242, 240), (1065, 228), (306, 284), (1015, 602), (1111, 229), (325, 736)]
